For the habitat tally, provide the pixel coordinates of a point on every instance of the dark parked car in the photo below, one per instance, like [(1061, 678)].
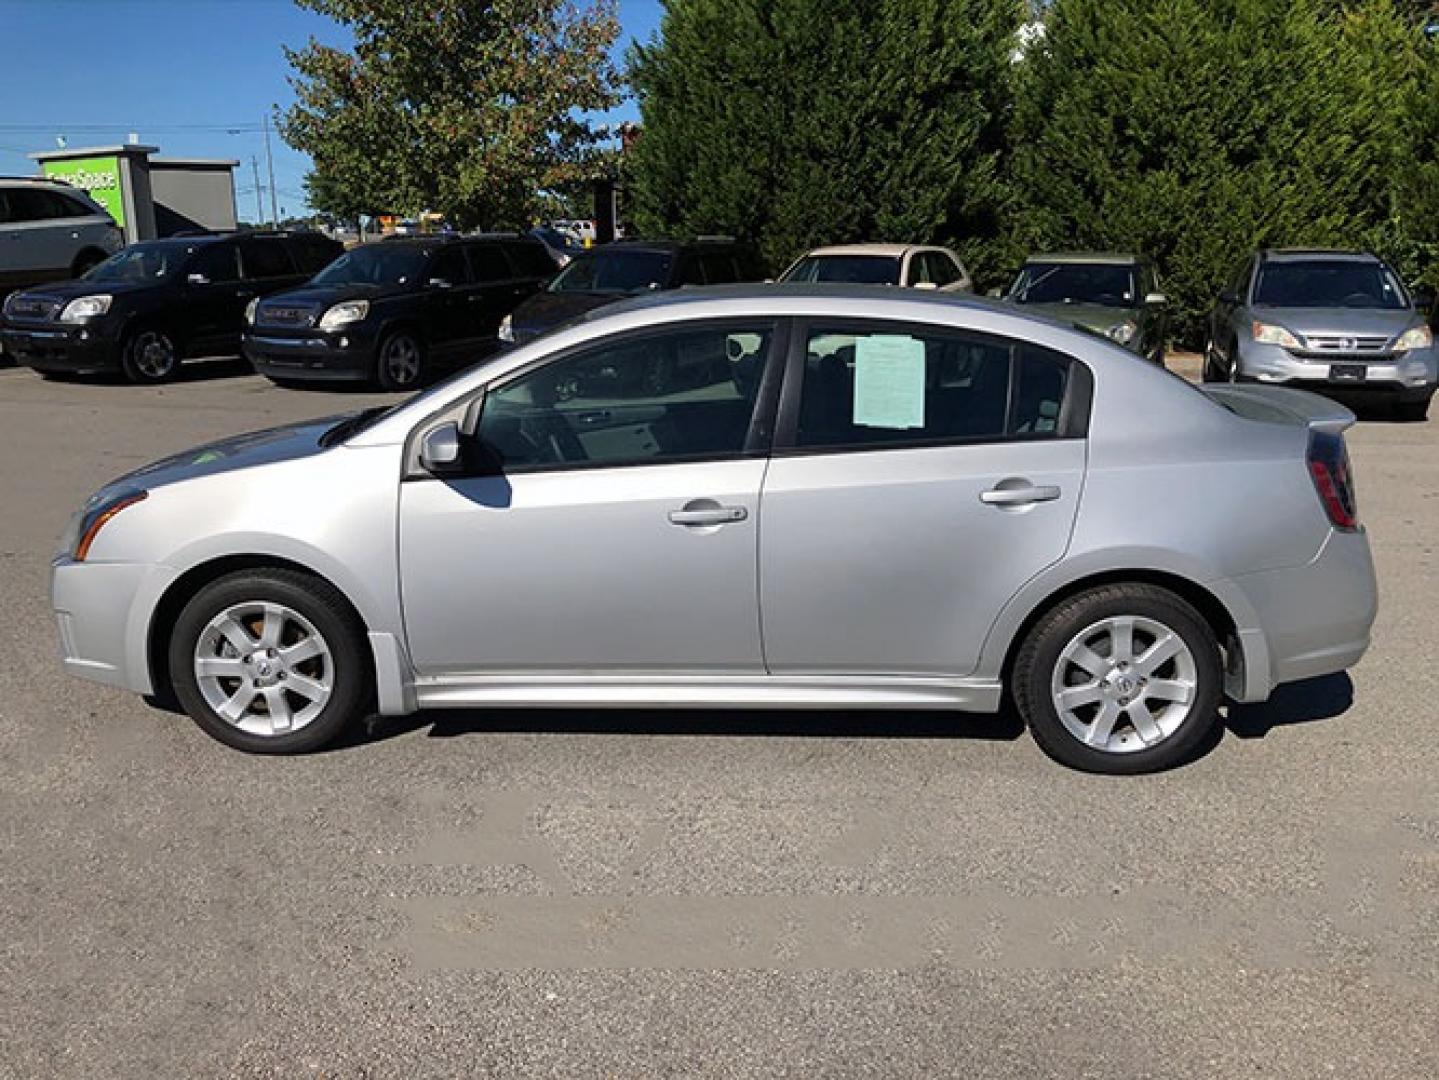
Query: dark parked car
[(605, 274), (1114, 295), (394, 312), (156, 303)]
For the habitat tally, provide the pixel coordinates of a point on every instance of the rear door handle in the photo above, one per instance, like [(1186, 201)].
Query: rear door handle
[(711, 515), (1019, 496)]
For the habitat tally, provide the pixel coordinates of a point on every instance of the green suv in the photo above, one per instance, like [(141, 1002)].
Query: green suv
[(1115, 295)]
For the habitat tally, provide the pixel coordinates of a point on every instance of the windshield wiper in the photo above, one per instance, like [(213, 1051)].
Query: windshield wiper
[(353, 425)]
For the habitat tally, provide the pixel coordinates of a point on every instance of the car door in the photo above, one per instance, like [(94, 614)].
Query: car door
[(450, 297), (33, 237), (922, 475), (210, 291), (610, 522)]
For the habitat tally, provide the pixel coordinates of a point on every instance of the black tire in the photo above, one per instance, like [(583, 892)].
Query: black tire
[(1412, 412), (151, 356), (347, 664), (388, 374), (1039, 656), (1211, 372)]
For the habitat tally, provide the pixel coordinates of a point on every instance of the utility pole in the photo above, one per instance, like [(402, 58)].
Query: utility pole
[(270, 166), (259, 205)]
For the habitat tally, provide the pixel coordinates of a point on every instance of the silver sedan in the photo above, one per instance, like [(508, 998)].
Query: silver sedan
[(814, 497)]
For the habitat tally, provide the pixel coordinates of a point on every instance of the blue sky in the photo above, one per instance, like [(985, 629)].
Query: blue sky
[(193, 77)]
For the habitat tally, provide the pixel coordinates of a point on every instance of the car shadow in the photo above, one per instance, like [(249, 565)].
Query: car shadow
[(1307, 702), (761, 723)]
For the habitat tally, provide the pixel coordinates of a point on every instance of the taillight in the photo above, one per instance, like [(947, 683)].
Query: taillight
[(1329, 469)]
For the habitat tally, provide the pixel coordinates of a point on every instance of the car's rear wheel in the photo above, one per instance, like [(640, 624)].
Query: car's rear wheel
[(1120, 679), (151, 356), (271, 662), (1211, 368), (401, 361)]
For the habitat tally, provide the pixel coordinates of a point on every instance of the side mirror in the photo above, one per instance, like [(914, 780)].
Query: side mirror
[(197, 279), (440, 283), (1156, 299), (440, 448)]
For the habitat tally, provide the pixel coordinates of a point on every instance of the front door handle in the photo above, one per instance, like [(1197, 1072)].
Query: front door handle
[(1019, 495), (708, 515)]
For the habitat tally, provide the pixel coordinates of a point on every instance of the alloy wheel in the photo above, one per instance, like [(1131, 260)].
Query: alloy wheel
[(264, 668), (1124, 684), (154, 354), (401, 360)]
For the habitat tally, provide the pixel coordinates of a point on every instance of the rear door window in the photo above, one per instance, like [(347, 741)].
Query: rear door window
[(448, 264), (922, 387), (217, 263), (265, 258), (488, 263), (719, 268), (530, 260)]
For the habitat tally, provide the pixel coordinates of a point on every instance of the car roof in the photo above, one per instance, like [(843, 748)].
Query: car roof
[(1099, 258), (891, 251), (785, 290), (1310, 254)]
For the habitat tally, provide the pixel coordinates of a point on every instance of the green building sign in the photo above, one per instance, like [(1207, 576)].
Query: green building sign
[(98, 177)]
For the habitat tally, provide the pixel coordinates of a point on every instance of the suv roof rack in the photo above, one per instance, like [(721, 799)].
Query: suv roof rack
[(716, 238)]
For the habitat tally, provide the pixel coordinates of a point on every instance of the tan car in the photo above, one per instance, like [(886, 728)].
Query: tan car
[(916, 266)]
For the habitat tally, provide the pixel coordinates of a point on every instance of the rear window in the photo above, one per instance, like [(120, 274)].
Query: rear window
[(531, 260), (266, 259)]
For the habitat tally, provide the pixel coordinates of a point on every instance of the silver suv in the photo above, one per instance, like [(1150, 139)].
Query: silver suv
[(1323, 320), (50, 231)]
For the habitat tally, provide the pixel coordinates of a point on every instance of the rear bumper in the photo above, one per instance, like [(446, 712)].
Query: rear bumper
[(311, 355), (1312, 620), (61, 348)]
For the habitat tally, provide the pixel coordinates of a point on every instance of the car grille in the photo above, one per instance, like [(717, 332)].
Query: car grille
[(34, 308), (1327, 344), (282, 315)]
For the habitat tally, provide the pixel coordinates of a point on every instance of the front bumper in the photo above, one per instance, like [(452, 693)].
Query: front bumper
[(103, 609), (61, 346), (1408, 376), (321, 356)]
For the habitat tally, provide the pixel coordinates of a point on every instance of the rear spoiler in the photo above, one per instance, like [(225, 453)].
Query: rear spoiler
[(1281, 404)]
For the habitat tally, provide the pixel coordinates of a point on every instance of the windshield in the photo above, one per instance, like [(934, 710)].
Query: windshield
[(1105, 284), (1328, 283), (856, 269), (376, 264), (142, 262), (619, 272)]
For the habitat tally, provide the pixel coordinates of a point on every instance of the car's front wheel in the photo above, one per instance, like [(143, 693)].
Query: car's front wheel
[(151, 355), (401, 361), (1121, 678), (270, 661)]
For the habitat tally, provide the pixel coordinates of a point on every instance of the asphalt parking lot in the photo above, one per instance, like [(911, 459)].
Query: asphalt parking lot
[(570, 894)]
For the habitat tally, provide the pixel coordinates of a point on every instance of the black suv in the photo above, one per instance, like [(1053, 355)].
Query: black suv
[(605, 274), (394, 311), (153, 304)]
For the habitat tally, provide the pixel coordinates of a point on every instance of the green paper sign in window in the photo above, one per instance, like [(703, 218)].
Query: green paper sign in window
[(98, 177)]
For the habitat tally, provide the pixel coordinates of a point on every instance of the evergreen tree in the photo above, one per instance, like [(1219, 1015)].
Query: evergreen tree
[(802, 122), (1199, 130)]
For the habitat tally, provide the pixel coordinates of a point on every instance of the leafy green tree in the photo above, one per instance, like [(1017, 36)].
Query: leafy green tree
[(1199, 130), (472, 108), (801, 122)]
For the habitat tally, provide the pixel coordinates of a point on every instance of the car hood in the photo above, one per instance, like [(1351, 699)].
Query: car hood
[(266, 447), (70, 290), (1355, 322), (547, 310), (1093, 316), (317, 296)]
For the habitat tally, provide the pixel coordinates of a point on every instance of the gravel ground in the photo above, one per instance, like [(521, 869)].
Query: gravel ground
[(564, 894)]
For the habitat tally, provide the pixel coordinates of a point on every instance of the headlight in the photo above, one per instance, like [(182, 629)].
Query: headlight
[(1124, 332), (1416, 337), (250, 311), (86, 525), (351, 311), (1275, 335), (507, 329), (85, 307)]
